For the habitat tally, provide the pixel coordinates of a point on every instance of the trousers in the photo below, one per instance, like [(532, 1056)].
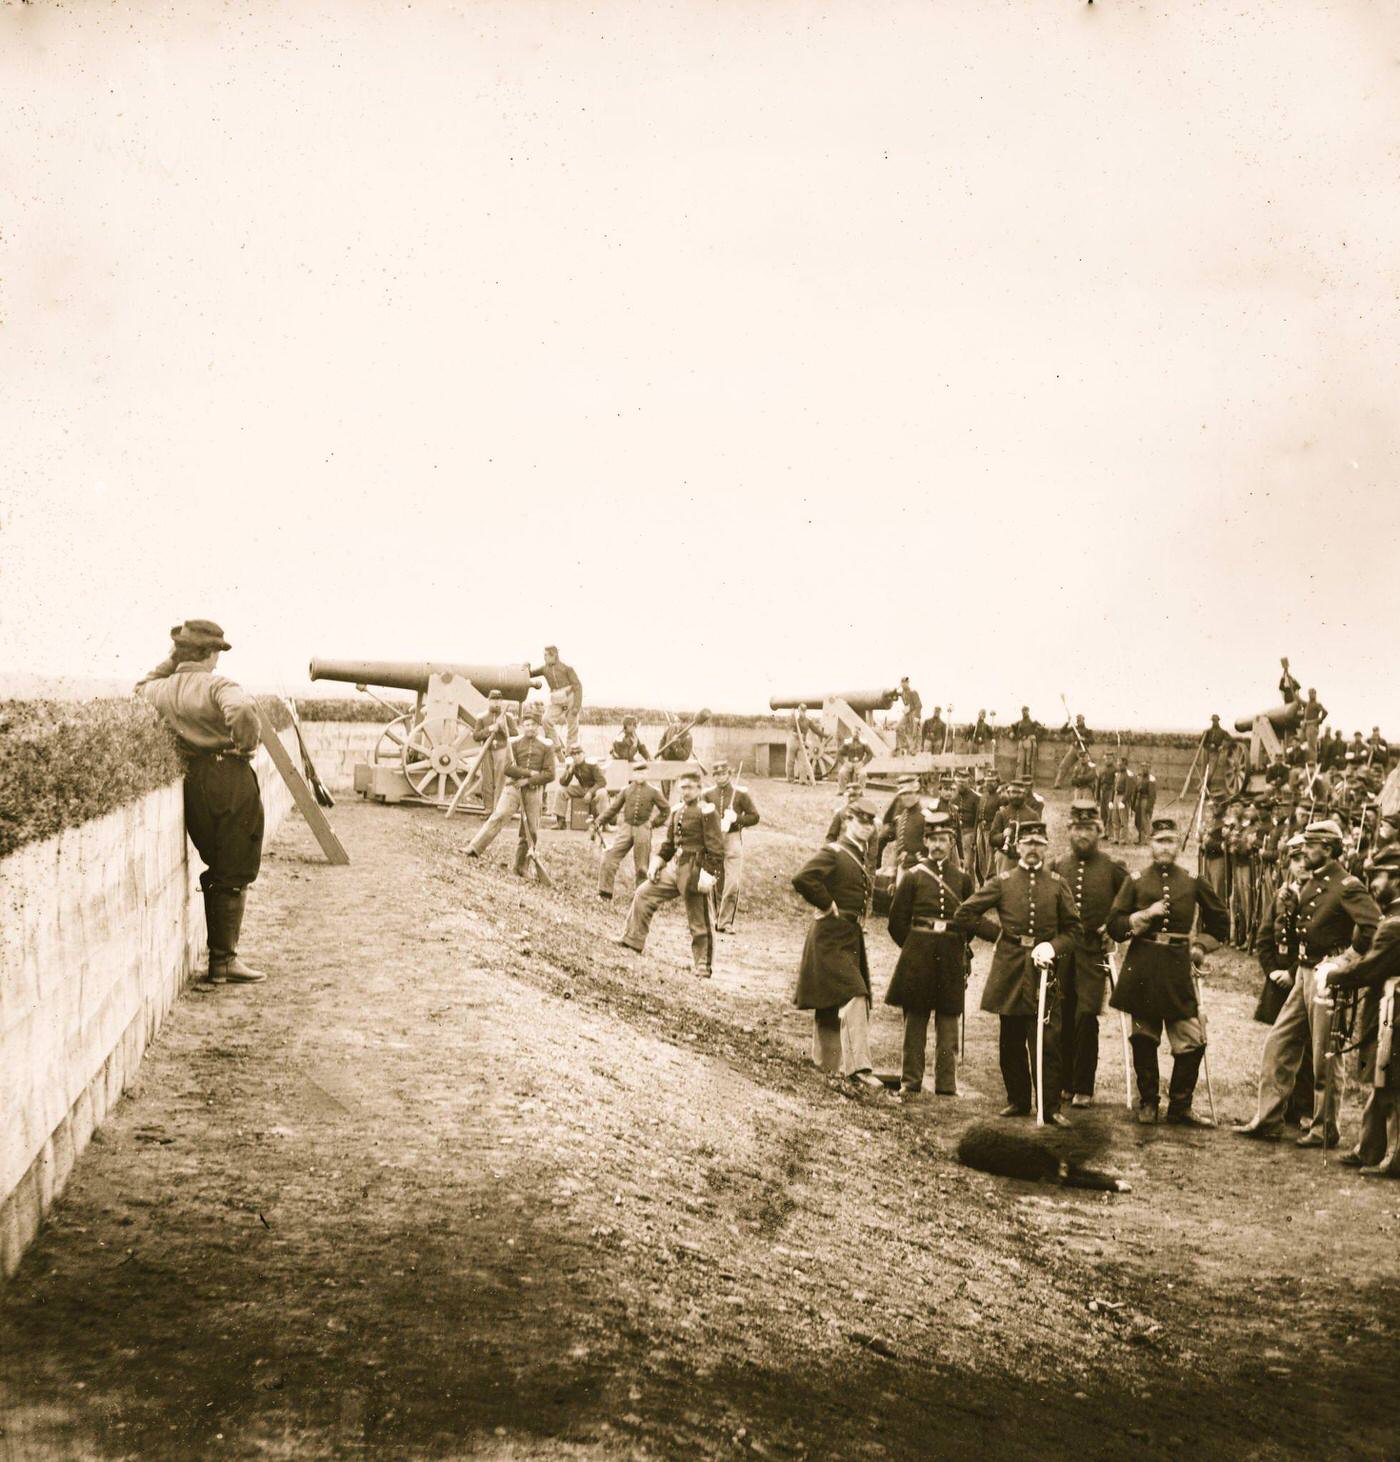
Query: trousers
[(661, 890), (1187, 1041), (224, 819), (1079, 1049), (1299, 1025), (733, 880), (637, 837), (841, 1037), (509, 804), (1016, 1050), (945, 1052), (562, 708)]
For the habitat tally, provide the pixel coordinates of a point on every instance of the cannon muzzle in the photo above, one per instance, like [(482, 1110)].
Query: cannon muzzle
[(513, 681), (1281, 718), (858, 700)]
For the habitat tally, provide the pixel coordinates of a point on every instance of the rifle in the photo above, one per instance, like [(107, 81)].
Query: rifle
[(1205, 1048), (1342, 1017), (1084, 750), (531, 852)]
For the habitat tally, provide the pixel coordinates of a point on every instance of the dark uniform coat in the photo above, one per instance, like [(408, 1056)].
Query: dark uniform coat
[(693, 838), (1093, 883), (1277, 947), (904, 827), (1157, 980), (933, 956), (834, 967), (1335, 910), (1032, 908)]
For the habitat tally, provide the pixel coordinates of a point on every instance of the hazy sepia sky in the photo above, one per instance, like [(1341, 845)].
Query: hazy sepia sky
[(1020, 347)]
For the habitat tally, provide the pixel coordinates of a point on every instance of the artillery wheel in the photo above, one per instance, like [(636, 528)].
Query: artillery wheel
[(437, 756), (389, 749), (821, 749)]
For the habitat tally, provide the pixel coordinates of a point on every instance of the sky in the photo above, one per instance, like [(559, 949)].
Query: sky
[(1023, 348)]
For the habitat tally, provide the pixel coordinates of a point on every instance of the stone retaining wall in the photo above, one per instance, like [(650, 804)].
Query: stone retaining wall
[(100, 927)]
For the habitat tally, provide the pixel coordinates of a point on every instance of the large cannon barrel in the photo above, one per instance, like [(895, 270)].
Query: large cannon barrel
[(858, 700), (513, 681), (1281, 718)]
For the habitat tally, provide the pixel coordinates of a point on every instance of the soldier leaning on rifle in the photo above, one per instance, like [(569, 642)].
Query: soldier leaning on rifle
[(528, 771), (1335, 912), (1026, 733), (930, 977), (907, 736), (969, 805), (1157, 911), (493, 733), (217, 729), (1214, 864), (641, 808), (1377, 1150), (833, 979), (737, 811), (687, 866), (1039, 924), (1277, 948), (1093, 879)]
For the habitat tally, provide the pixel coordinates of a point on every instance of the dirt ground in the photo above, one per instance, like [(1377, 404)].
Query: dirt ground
[(464, 1178)]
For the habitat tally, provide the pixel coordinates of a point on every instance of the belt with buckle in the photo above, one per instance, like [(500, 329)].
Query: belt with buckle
[(202, 754), (933, 926), (1168, 938), (1026, 941)]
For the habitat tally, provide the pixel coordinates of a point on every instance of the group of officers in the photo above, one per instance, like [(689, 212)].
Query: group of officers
[(1057, 928)]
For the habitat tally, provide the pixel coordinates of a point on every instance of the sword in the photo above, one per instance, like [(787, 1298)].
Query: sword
[(1205, 1048), (1123, 1029), (1044, 972)]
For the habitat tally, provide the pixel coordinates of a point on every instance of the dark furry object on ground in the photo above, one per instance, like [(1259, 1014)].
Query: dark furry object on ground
[(992, 1148)]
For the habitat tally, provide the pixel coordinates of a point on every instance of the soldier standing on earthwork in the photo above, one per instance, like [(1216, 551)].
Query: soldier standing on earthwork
[(217, 729), (565, 697)]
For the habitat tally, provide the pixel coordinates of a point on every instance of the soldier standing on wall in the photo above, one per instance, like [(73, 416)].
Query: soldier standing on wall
[(217, 729)]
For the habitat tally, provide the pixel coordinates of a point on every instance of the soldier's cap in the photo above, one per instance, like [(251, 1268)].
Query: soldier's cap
[(937, 822), (493, 695), (1386, 861), (575, 750), (1327, 829), (909, 783), (1083, 810), (1164, 825), (200, 633), (863, 807), (1031, 831), (1295, 842), (530, 712)]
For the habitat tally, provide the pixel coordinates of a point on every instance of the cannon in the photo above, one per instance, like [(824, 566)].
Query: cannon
[(1282, 718), (426, 754), (848, 711)]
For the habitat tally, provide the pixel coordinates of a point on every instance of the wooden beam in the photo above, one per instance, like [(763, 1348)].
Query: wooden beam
[(926, 761), (302, 795)]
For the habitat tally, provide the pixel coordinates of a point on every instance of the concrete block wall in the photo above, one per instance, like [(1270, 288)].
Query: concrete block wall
[(100, 927)]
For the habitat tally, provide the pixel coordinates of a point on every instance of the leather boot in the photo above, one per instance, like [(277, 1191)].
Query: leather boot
[(224, 910), (1149, 1082), (1186, 1070)]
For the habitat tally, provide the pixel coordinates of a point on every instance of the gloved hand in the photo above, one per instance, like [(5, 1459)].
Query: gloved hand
[(1198, 956), (1044, 953), (654, 869), (1324, 973), (728, 820), (1282, 979)]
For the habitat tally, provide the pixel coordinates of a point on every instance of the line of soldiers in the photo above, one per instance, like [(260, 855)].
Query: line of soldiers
[(1055, 926)]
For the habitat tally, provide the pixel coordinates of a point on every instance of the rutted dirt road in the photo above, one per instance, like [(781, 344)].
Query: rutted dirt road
[(466, 1179)]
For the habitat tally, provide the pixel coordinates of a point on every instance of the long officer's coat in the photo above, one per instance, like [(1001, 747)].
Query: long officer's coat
[(834, 969), (1156, 981), (932, 970), (1032, 908)]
